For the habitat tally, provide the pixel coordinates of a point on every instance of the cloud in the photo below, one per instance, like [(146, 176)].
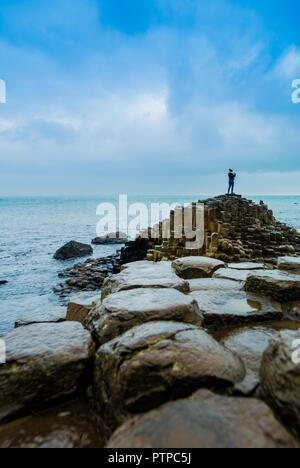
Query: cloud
[(183, 96)]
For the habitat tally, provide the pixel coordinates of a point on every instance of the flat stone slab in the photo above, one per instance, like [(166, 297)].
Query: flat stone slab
[(250, 344), (230, 308), (214, 284), (231, 274), (280, 286), (144, 275), (156, 362), (291, 264), (124, 310), (196, 267), (69, 426), (280, 378), (246, 266), (204, 420), (45, 364), (41, 317)]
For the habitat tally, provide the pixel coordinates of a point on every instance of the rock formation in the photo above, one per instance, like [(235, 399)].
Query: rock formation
[(235, 229), (73, 249)]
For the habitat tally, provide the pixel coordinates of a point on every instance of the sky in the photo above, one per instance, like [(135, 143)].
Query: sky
[(149, 97)]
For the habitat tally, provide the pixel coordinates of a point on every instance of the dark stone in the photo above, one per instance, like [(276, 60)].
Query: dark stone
[(73, 249), (134, 251), (3, 282)]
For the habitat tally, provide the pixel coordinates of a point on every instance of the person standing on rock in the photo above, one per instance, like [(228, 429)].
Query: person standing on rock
[(231, 176)]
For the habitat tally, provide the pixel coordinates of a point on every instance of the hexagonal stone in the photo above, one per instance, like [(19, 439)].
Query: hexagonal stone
[(214, 284), (156, 362), (124, 310), (291, 264), (280, 377), (250, 344), (144, 275), (196, 267), (246, 266), (45, 364), (204, 420), (69, 426), (230, 308), (231, 274), (280, 286)]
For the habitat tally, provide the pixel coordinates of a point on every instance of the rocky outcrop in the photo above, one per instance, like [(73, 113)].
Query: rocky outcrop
[(215, 284), (156, 362), (69, 426), (73, 249), (235, 230), (134, 251), (196, 267), (232, 308), (111, 238), (124, 310), (204, 420), (2, 282), (144, 275), (280, 378), (45, 364), (88, 276), (291, 264), (280, 286)]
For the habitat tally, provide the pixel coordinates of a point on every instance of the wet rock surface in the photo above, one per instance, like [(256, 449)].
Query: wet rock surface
[(232, 274), (229, 308), (235, 230), (215, 284), (157, 362), (280, 378), (196, 267), (122, 311), (69, 426), (291, 264), (88, 276), (205, 420), (278, 285), (45, 364), (144, 275), (111, 238), (73, 249), (250, 344), (77, 312)]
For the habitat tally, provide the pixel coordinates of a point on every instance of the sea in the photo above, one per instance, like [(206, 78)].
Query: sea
[(32, 229)]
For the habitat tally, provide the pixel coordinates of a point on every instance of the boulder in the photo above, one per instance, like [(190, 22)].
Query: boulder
[(204, 420), (73, 249), (291, 264), (77, 312), (2, 282), (69, 426), (155, 362), (280, 378), (196, 267), (45, 364), (278, 285), (111, 238), (124, 310), (231, 308), (246, 266), (233, 275), (214, 284), (250, 344), (141, 275)]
